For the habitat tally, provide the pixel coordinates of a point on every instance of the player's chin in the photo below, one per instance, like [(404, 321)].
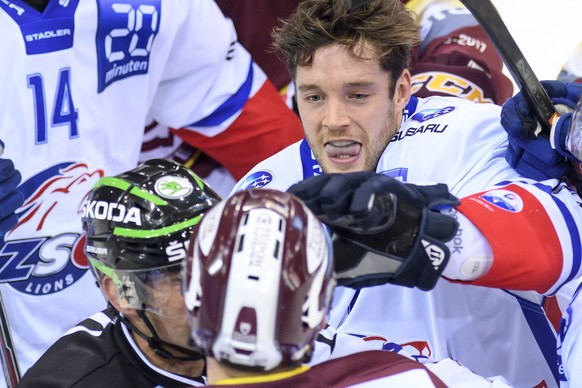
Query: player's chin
[(342, 166)]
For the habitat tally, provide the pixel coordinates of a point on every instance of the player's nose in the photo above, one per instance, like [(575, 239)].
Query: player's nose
[(335, 115)]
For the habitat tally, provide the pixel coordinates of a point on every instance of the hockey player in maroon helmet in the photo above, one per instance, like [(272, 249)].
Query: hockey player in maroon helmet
[(258, 287)]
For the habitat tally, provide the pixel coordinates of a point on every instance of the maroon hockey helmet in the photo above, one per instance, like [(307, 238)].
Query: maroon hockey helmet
[(259, 280)]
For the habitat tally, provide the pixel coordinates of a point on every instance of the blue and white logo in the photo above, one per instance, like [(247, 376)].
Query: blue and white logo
[(400, 173), (35, 259), (47, 32), (428, 114), (255, 180), (504, 199), (125, 35)]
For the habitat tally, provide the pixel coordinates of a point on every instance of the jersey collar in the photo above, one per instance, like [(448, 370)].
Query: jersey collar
[(264, 378)]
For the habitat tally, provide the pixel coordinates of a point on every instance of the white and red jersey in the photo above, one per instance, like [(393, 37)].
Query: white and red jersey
[(78, 83), (332, 344), (570, 343), (533, 229)]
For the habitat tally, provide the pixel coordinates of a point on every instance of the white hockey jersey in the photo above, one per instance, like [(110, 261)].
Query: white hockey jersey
[(77, 84), (491, 331)]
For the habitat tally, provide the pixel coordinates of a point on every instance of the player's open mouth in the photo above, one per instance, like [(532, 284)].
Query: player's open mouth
[(342, 150)]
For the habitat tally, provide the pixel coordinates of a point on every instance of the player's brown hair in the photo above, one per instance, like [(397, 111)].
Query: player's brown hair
[(386, 25)]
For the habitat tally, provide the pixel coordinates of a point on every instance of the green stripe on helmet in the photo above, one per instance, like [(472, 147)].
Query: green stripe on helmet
[(136, 233), (105, 270), (124, 185), (199, 181)]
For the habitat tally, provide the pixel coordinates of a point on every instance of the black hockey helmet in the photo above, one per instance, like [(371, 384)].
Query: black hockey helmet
[(138, 226)]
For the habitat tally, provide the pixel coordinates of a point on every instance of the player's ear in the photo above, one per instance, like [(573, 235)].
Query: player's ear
[(110, 290), (402, 90)]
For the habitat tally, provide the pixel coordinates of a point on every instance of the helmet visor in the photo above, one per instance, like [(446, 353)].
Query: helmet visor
[(157, 290)]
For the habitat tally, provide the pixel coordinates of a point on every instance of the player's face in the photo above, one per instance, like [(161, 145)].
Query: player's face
[(171, 321), (345, 108)]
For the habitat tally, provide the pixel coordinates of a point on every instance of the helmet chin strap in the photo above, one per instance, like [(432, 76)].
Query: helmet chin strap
[(159, 346)]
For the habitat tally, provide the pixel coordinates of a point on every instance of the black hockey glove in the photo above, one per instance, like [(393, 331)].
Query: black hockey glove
[(384, 231)]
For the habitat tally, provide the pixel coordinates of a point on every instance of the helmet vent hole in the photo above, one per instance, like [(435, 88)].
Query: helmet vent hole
[(277, 248), (241, 243)]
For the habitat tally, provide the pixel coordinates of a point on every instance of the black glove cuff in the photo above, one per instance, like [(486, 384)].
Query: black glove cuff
[(358, 265)]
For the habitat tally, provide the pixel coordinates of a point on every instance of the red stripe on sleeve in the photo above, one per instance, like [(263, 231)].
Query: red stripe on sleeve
[(526, 248)]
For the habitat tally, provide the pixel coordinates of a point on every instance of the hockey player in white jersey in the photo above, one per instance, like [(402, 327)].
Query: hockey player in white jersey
[(81, 79), (353, 88)]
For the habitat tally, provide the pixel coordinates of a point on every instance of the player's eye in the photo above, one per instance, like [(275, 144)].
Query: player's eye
[(313, 98)]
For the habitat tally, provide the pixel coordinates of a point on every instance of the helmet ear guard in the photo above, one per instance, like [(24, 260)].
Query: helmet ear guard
[(100, 271), (259, 280)]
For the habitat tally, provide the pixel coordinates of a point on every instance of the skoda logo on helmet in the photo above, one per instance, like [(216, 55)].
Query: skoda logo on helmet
[(172, 186)]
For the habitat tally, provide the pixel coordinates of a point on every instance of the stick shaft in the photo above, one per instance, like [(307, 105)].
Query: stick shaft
[(7, 350), (488, 17)]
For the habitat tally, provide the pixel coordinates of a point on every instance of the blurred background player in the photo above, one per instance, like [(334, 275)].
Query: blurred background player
[(84, 79), (138, 225), (258, 288), (254, 21), (455, 56)]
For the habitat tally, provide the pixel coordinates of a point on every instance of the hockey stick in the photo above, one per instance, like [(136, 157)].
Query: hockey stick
[(8, 353), (531, 88), (533, 91)]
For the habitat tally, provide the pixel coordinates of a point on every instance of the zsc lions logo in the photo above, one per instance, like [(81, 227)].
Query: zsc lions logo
[(44, 253), (428, 114), (255, 180), (504, 199)]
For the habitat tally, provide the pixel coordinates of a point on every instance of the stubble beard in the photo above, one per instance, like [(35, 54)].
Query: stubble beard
[(373, 147)]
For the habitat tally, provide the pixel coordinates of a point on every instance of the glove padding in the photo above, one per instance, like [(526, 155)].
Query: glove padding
[(534, 157), (10, 199), (384, 231)]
